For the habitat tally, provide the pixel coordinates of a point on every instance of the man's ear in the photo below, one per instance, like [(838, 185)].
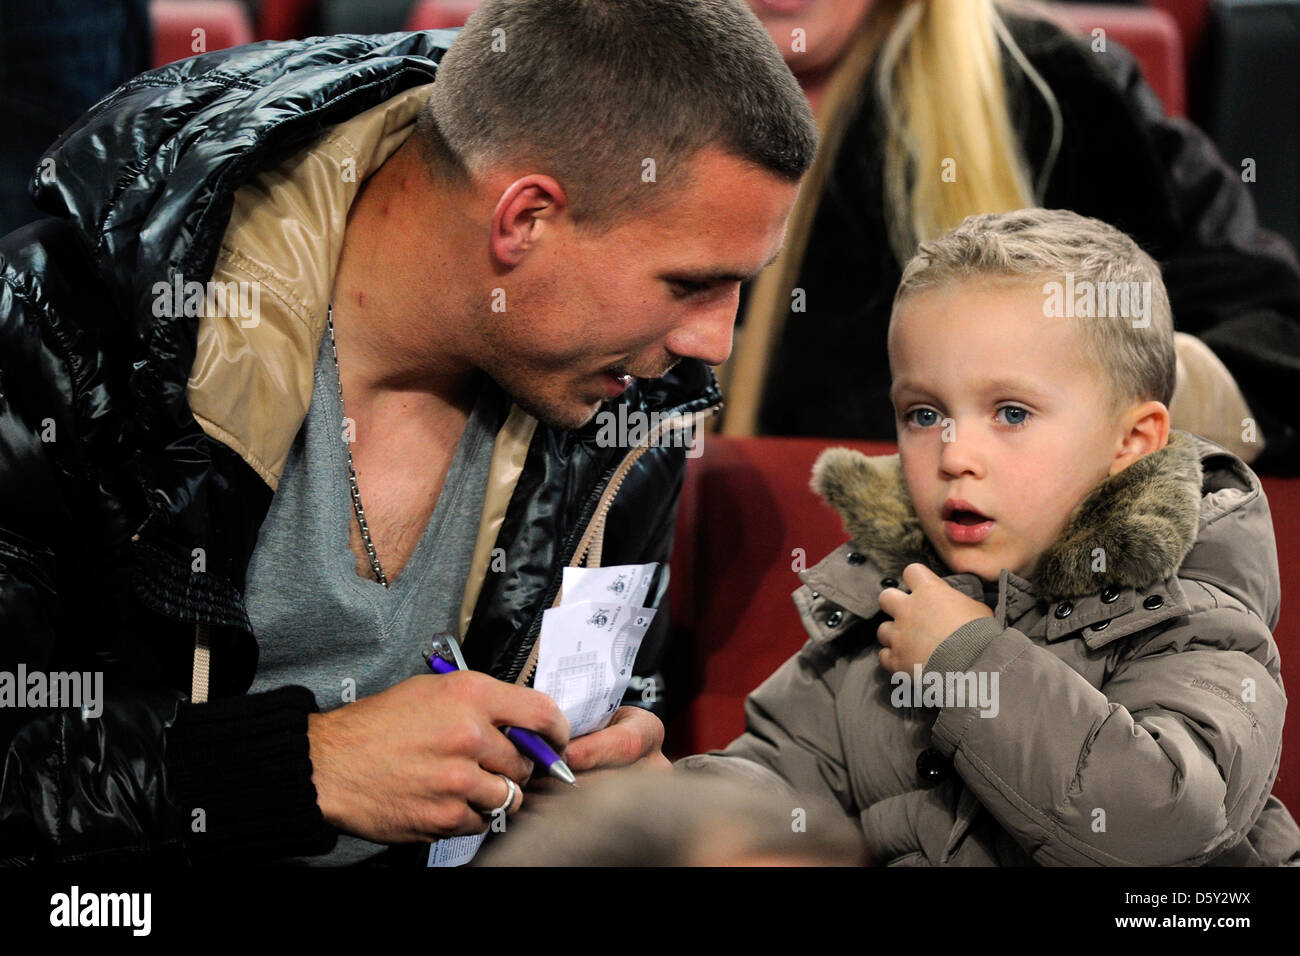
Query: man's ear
[(528, 207), (1145, 429)]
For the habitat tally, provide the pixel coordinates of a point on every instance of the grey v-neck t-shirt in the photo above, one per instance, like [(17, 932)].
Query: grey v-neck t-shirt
[(317, 622)]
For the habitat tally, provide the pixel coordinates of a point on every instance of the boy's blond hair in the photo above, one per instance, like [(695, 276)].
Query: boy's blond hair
[(1069, 255)]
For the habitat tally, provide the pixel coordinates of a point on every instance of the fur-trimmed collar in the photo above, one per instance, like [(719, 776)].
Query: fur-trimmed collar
[(1144, 518)]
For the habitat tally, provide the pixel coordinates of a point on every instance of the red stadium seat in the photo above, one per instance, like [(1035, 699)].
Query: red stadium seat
[(183, 28), (440, 14), (1150, 34), (748, 518), (1193, 19), (284, 19), (1192, 16)]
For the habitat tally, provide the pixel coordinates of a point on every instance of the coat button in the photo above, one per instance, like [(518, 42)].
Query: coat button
[(1101, 625), (889, 582), (856, 557), (1153, 601), (833, 619), (1063, 610), (1109, 595), (931, 767), (815, 594)]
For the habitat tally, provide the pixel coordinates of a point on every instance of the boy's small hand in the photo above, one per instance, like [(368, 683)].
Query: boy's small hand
[(922, 619)]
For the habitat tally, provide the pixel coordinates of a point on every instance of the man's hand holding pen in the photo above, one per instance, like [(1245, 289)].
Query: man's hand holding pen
[(426, 758), (632, 738), (437, 755)]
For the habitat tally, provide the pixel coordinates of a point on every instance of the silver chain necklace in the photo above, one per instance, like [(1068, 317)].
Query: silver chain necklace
[(352, 471)]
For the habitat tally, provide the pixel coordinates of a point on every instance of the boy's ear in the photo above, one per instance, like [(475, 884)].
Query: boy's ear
[(1145, 429)]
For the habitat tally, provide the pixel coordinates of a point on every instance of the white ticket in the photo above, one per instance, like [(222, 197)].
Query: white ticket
[(586, 658), (455, 851), (619, 584)]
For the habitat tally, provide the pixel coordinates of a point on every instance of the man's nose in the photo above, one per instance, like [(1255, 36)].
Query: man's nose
[(705, 335)]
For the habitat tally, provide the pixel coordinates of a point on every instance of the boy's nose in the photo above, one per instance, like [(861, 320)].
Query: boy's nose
[(959, 452)]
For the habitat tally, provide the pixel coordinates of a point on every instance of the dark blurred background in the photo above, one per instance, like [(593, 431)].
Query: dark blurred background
[(1231, 66)]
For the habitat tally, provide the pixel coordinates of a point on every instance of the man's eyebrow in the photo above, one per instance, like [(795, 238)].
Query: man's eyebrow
[(710, 276)]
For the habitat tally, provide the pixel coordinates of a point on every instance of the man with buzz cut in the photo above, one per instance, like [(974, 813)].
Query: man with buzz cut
[(449, 252)]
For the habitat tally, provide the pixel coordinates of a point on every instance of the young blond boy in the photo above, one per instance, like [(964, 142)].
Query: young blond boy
[(1049, 639)]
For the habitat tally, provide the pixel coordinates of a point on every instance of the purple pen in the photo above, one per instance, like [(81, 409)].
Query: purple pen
[(526, 742)]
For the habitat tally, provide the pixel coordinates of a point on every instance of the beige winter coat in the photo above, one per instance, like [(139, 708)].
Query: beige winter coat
[(1137, 712)]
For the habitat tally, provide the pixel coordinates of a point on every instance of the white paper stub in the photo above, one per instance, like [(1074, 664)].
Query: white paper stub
[(455, 851), (586, 658), (619, 584)]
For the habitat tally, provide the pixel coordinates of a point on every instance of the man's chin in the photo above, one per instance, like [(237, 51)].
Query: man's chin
[(579, 420), (567, 417)]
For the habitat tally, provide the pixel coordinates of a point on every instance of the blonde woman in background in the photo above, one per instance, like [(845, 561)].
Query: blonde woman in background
[(932, 110)]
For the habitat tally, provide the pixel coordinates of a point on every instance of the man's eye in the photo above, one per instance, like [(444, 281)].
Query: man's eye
[(682, 289), (924, 417)]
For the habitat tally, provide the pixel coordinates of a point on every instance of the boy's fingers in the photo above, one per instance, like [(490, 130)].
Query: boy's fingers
[(885, 633), (917, 573)]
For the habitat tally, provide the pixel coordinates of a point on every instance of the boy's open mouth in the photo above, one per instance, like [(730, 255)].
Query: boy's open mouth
[(963, 524), (962, 513)]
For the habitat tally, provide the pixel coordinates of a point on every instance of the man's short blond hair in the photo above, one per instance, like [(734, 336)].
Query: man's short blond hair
[(1088, 271)]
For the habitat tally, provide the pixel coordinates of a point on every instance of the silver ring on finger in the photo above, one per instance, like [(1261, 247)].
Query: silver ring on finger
[(510, 796)]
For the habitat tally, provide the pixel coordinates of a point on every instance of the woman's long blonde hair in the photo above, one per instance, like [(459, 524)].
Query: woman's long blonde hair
[(951, 150)]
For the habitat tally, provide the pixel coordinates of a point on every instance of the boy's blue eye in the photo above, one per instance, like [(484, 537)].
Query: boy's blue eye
[(916, 413), (1015, 415)]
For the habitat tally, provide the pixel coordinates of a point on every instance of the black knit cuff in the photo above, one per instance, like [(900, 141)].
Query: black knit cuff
[(244, 762)]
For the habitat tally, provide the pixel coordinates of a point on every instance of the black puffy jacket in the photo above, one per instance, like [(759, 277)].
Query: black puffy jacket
[(108, 485)]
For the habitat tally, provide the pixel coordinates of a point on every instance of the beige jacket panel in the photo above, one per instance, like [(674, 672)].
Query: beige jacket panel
[(251, 383)]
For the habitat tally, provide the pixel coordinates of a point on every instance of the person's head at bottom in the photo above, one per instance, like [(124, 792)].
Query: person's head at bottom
[(651, 818)]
